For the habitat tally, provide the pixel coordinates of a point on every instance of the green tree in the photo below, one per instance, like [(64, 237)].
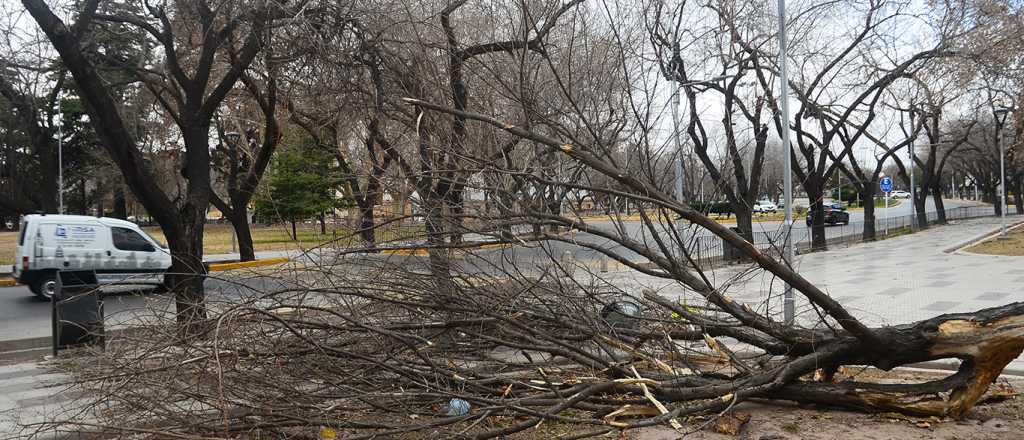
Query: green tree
[(302, 183)]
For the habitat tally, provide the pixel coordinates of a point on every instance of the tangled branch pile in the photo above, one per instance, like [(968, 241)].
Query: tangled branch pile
[(375, 351)]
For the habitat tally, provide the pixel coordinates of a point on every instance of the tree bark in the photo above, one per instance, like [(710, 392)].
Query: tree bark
[(295, 235), (366, 222), (867, 194), (815, 194), (120, 204), (920, 207), (744, 220), (243, 233), (940, 207)]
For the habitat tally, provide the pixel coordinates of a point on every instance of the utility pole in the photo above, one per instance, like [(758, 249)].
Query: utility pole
[(789, 312)]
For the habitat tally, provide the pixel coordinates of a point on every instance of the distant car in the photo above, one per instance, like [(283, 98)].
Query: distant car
[(834, 213), (899, 195), (765, 206)]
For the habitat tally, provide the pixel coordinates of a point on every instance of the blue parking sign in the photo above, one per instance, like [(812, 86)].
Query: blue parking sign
[(885, 184)]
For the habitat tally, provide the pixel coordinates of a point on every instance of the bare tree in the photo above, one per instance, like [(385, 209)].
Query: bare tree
[(195, 41)]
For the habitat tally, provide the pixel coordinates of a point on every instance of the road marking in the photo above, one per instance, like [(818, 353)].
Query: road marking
[(217, 267)]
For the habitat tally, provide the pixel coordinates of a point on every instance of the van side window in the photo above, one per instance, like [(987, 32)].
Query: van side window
[(128, 240)]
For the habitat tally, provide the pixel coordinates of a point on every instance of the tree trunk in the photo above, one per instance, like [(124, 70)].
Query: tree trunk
[(817, 209), (240, 223), (120, 204), (744, 220), (295, 236), (868, 196), (920, 207), (366, 222), (83, 208), (456, 209), (997, 202), (440, 264), (1018, 199), (187, 273), (323, 224), (940, 208)]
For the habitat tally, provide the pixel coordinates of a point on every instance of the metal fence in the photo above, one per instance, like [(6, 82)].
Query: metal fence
[(711, 250)]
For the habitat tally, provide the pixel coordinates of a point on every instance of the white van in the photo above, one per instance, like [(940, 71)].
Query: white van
[(119, 251)]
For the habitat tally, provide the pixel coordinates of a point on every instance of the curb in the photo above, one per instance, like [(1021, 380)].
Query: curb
[(219, 267), (213, 267), (979, 238)]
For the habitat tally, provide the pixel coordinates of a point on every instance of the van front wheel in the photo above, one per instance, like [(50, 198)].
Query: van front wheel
[(45, 286)]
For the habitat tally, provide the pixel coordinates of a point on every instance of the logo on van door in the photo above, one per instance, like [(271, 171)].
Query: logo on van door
[(75, 236)]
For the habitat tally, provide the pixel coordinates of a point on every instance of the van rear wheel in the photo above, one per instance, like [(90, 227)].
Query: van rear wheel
[(45, 286)]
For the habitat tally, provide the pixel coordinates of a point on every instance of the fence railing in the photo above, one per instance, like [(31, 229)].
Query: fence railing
[(710, 250)]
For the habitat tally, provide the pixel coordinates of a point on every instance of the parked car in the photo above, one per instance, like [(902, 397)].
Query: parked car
[(764, 206), (899, 194), (118, 250), (834, 213)]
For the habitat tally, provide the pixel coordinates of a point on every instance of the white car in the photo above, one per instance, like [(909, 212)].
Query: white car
[(119, 251), (899, 195), (764, 206)]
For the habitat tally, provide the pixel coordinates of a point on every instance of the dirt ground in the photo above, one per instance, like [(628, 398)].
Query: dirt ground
[(994, 420), (1013, 245), (1003, 420)]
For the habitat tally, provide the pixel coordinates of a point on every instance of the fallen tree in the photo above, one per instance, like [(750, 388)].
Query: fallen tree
[(495, 341), (370, 346)]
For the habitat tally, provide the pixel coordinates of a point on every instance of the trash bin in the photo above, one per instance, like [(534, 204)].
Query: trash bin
[(77, 311), (732, 253)]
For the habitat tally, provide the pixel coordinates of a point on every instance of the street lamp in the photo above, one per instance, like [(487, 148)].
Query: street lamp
[(232, 137), (676, 102), (60, 158), (1000, 116), (789, 312)]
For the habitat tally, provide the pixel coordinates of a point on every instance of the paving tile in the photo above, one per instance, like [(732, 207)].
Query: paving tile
[(893, 291), (939, 283), (941, 306), (992, 296)]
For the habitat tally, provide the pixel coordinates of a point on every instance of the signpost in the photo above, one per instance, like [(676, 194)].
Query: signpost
[(886, 186)]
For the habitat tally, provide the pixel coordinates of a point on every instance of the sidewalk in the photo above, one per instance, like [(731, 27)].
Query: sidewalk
[(888, 282), (30, 393)]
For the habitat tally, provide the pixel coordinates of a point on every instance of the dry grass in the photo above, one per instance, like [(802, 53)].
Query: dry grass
[(217, 238), (8, 240), (1013, 245)]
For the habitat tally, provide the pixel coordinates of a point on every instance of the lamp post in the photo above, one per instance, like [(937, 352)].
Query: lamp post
[(232, 137), (60, 159), (789, 312), (1000, 116), (913, 164), (679, 168)]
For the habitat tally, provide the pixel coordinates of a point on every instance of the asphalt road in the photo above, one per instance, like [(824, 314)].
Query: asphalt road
[(24, 316)]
